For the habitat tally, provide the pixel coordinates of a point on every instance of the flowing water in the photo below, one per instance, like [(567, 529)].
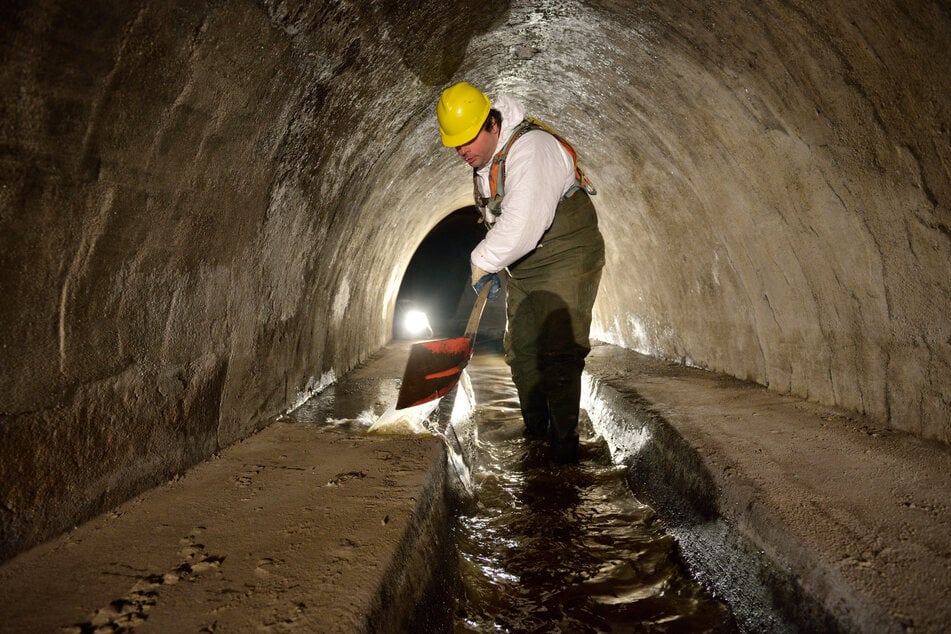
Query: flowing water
[(549, 548), (541, 547)]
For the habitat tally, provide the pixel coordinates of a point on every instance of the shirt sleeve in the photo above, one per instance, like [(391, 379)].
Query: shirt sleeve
[(538, 172)]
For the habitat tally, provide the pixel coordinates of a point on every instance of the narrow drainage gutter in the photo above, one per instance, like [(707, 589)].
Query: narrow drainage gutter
[(421, 585)]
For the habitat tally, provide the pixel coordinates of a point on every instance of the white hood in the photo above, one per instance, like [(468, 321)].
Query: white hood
[(513, 111)]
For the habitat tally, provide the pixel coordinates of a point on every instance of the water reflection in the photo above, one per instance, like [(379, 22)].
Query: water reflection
[(545, 547), (541, 547)]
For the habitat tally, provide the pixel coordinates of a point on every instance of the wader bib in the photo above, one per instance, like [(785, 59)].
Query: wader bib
[(549, 297)]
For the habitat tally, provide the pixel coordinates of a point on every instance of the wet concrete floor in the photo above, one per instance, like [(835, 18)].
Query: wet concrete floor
[(298, 528)]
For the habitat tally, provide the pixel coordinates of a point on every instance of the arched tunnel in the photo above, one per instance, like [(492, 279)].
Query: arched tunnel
[(207, 209)]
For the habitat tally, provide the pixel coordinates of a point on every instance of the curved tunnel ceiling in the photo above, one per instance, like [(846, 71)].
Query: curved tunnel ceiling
[(773, 184), (207, 208)]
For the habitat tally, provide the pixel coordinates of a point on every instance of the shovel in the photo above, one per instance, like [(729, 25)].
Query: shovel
[(434, 367)]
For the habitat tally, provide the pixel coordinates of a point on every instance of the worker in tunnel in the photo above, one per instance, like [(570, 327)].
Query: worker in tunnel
[(543, 230)]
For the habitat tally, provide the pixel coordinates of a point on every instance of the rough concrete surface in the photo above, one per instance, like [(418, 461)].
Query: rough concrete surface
[(206, 208), (295, 528), (845, 518)]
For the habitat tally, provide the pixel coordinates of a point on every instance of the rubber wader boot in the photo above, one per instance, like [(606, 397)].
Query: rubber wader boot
[(564, 450), (564, 400), (536, 423), (549, 298)]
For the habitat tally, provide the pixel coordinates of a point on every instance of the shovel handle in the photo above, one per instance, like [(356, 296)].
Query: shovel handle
[(476, 314)]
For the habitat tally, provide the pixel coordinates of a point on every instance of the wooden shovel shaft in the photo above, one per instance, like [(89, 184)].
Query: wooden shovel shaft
[(473, 326)]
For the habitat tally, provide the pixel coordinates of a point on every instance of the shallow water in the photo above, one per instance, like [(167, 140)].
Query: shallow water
[(541, 547), (545, 547)]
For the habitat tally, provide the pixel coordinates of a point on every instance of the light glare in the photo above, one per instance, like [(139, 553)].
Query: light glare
[(416, 322)]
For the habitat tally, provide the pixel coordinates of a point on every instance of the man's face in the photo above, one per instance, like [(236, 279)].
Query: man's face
[(478, 152)]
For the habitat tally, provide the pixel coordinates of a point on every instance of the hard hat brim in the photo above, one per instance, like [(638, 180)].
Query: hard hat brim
[(467, 135)]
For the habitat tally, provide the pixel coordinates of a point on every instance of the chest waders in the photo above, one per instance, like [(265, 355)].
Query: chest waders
[(549, 297)]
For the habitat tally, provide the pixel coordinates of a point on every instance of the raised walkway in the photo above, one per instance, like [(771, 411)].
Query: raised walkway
[(296, 529), (791, 510)]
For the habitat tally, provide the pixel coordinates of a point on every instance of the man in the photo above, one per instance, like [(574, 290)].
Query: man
[(544, 230)]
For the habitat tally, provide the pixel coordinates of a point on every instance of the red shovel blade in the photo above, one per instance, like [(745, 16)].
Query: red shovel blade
[(433, 369)]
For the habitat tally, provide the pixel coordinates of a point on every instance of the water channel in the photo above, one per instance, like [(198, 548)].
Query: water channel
[(546, 547), (543, 547)]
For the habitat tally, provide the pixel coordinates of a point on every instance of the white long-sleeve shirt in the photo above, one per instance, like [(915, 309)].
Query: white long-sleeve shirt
[(538, 173)]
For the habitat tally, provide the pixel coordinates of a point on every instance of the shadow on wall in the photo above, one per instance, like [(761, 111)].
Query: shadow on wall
[(433, 50)]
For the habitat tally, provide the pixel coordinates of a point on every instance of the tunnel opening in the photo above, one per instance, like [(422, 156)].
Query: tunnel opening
[(436, 283)]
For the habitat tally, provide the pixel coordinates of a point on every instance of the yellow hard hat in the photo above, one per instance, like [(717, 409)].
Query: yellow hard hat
[(462, 109)]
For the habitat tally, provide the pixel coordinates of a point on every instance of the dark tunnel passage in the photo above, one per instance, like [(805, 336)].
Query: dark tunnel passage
[(208, 211), (436, 280)]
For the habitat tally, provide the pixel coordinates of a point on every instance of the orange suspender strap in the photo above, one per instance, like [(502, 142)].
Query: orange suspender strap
[(497, 170), (498, 162)]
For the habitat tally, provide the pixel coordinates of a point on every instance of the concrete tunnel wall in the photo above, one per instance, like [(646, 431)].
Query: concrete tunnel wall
[(206, 208)]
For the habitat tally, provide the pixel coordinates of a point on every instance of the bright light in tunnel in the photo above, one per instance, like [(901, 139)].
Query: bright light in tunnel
[(416, 323)]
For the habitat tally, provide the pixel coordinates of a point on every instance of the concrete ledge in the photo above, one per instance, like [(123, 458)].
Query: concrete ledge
[(294, 528), (801, 516)]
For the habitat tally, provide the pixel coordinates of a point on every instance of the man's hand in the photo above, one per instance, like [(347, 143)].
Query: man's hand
[(480, 278)]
